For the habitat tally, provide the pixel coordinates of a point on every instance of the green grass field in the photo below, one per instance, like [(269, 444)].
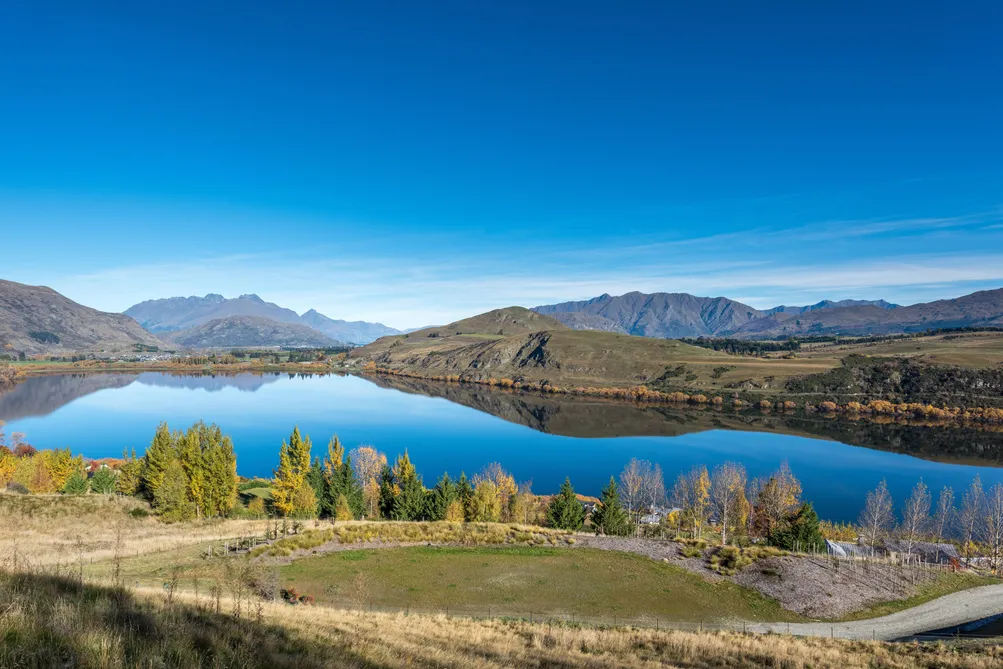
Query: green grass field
[(518, 581)]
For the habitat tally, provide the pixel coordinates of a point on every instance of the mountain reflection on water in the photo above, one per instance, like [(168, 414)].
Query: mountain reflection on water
[(461, 428)]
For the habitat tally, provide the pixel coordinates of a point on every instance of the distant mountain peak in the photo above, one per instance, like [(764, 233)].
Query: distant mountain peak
[(252, 297)]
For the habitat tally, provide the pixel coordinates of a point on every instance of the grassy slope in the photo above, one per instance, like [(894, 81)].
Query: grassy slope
[(52, 621), (520, 580), (578, 357), (489, 346)]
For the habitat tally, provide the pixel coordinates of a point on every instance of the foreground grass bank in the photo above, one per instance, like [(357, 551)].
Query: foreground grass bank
[(52, 621)]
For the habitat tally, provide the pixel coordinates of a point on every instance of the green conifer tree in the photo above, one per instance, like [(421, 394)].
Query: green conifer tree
[(465, 494), (350, 487), (76, 484), (388, 494), (565, 511), (410, 502), (440, 497), (103, 481), (315, 479), (798, 531), (609, 516)]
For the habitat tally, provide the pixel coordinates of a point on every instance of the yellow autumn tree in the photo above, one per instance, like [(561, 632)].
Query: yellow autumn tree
[(691, 493), (778, 496), (504, 488), (61, 465), (368, 463), (292, 495), (8, 466)]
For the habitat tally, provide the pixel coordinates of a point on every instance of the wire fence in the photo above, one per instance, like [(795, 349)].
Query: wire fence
[(657, 623)]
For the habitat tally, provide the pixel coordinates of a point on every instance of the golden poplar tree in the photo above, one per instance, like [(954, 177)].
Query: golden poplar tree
[(291, 493)]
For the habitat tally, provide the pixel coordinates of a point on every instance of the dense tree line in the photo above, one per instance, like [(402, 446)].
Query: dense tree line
[(794, 343)]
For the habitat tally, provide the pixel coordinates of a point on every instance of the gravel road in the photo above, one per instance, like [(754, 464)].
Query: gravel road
[(947, 611)]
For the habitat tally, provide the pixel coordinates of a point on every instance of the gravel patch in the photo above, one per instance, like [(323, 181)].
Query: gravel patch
[(817, 587)]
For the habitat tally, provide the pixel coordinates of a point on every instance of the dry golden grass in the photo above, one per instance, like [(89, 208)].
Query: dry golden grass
[(439, 532), (51, 529), (54, 621)]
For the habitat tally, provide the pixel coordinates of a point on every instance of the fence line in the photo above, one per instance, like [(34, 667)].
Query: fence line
[(615, 621)]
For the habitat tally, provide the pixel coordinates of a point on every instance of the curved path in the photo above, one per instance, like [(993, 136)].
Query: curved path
[(947, 611)]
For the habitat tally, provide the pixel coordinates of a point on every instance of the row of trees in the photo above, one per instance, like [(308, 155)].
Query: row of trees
[(185, 475), (334, 487), (769, 507), (979, 519)]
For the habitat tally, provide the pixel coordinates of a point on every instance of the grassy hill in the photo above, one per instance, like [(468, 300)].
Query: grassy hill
[(511, 344), (520, 344)]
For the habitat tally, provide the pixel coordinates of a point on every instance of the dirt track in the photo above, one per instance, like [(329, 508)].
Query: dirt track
[(947, 611)]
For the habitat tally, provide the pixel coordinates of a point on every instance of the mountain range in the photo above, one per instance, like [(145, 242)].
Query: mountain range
[(36, 319), (675, 315), (174, 314)]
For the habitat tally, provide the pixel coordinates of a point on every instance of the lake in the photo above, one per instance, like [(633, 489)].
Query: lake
[(451, 427)]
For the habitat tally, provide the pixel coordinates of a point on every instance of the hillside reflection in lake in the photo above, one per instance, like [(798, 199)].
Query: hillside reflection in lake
[(462, 428)]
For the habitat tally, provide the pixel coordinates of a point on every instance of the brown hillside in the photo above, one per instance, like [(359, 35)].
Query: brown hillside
[(36, 319)]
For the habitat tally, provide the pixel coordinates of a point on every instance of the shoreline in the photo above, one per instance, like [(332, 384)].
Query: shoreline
[(876, 411)]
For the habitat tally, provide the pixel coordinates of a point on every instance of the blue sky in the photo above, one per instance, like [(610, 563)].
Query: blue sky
[(415, 163)]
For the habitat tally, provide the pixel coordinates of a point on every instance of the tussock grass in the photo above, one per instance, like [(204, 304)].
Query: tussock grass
[(51, 529), (52, 621), (467, 534), (728, 560)]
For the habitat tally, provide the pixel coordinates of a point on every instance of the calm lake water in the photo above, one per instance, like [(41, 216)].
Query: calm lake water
[(454, 428)]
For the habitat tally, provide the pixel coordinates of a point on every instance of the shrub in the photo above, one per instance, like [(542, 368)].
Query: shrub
[(139, 513)]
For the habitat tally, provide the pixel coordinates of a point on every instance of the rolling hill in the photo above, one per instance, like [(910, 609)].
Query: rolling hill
[(519, 343), (241, 331), (36, 319)]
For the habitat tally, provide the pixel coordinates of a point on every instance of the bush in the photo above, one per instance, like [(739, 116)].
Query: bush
[(17, 489), (139, 513), (799, 531)]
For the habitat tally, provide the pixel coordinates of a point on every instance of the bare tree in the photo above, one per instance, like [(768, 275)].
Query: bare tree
[(971, 513), (367, 463), (652, 486), (915, 515), (779, 495), (691, 493), (878, 514), (632, 486), (944, 517), (727, 496), (991, 527)]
